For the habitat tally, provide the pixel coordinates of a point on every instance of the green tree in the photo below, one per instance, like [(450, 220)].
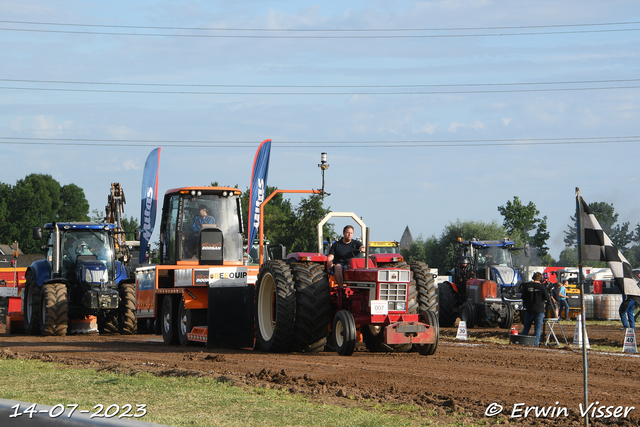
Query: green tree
[(520, 220), (129, 225), (569, 258), (308, 214), (25, 214), (74, 205), (5, 199), (46, 191), (278, 217), (33, 201), (96, 216)]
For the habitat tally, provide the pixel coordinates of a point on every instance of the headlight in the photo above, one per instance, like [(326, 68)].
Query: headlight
[(87, 276), (400, 306)]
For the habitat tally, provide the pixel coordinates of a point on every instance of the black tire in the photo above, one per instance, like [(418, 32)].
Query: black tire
[(187, 320), (448, 305), (146, 326), (431, 319), (344, 333), (169, 320), (426, 287), (275, 307), (313, 309), (468, 314), (32, 310), (508, 318), (128, 324), (55, 309), (372, 336), (108, 322)]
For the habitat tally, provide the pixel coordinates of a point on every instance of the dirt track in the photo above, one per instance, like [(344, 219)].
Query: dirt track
[(465, 377)]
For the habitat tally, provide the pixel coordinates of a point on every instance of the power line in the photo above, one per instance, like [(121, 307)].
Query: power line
[(262, 36), (365, 143), (456, 92), (517, 27), (320, 86)]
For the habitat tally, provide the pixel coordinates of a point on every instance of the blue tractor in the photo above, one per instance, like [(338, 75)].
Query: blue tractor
[(484, 285), (79, 278)]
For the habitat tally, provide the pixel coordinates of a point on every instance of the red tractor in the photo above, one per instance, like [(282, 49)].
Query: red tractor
[(389, 302)]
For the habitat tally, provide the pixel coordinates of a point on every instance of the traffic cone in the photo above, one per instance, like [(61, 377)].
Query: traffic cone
[(462, 331), (630, 341), (577, 335)]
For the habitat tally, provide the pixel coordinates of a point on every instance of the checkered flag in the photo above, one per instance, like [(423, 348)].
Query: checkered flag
[(597, 246)]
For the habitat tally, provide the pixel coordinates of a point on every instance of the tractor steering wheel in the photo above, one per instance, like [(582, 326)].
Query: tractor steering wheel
[(81, 248)]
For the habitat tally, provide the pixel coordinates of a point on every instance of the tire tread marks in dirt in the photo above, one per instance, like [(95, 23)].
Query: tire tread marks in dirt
[(448, 310), (128, 323), (426, 286), (55, 309), (313, 309), (32, 305), (275, 274)]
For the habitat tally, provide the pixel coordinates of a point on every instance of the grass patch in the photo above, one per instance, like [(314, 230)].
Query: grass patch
[(187, 401)]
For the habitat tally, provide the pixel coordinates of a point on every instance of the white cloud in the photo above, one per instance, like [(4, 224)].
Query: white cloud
[(429, 128), (453, 127), (46, 126), (477, 125), (506, 121), (131, 165)]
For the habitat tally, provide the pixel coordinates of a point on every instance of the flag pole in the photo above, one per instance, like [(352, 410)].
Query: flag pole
[(583, 312)]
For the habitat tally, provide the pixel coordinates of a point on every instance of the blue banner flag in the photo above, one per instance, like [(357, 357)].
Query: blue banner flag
[(149, 200), (258, 188)]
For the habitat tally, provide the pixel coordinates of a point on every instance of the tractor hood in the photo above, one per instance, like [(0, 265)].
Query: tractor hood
[(505, 276), (91, 272)]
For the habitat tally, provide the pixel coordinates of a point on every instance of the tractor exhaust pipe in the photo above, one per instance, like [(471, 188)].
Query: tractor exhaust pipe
[(366, 249)]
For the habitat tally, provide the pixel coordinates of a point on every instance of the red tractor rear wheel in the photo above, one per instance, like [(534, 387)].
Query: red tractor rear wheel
[(426, 286), (313, 309)]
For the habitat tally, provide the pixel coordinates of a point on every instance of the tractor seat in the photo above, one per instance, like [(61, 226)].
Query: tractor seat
[(359, 263)]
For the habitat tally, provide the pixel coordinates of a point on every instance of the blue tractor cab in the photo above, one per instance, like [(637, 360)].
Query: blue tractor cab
[(79, 277)]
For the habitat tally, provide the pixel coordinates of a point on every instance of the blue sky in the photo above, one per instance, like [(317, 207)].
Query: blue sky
[(432, 111)]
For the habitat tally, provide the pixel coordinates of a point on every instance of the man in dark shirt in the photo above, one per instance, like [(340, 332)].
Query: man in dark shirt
[(201, 218), (341, 252), (534, 298)]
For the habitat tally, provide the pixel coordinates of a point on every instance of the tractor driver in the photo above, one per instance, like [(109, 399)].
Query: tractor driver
[(201, 218), (341, 252)]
